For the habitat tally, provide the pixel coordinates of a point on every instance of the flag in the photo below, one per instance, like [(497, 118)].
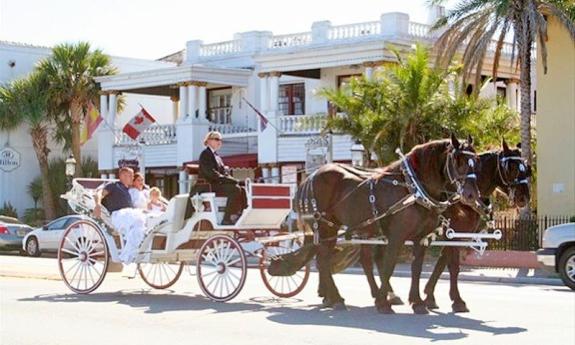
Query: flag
[(91, 121), (138, 124), (263, 120)]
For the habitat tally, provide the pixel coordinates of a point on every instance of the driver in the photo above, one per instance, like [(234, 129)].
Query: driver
[(128, 220)]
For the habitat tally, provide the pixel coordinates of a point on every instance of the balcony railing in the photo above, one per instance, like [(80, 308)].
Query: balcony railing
[(228, 130), (154, 135), (291, 40), (302, 124), (220, 48), (356, 30)]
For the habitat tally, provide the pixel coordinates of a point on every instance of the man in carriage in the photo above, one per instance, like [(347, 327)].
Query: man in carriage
[(129, 221), (213, 171)]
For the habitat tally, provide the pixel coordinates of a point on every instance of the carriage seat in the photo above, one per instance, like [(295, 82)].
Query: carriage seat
[(176, 210), (203, 186)]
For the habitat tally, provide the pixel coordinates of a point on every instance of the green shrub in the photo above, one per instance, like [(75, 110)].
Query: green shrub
[(34, 217), (8, 210)]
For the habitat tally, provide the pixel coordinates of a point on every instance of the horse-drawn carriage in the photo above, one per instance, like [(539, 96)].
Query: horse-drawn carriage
[(222, 254)]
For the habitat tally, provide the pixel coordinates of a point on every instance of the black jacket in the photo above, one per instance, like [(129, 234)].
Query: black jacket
[(211, 170)]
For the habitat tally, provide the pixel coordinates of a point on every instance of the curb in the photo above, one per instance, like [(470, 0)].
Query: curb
[(475, 278)]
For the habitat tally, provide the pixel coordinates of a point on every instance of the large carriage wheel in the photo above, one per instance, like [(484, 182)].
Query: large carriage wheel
[(83, 257), (283, 286), (221, 268), (160, 275)]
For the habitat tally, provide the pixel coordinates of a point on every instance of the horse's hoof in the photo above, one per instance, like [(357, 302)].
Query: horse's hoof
[(384, 308), (431, 304), (459, 307), (419, 309), (395, 300), (339, 306)]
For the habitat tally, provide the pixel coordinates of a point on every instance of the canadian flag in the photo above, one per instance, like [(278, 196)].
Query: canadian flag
[(138, 124)]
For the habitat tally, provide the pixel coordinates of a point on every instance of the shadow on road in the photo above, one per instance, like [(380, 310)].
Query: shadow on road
[(435, 326)]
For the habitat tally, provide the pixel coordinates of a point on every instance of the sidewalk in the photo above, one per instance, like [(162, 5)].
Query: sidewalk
[(47, 268)]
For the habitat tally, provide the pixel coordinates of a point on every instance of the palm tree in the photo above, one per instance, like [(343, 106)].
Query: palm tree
[(71, 70), (474, 23), (24, 101)]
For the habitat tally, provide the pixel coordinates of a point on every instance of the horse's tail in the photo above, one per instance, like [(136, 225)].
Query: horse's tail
[(288, 264)]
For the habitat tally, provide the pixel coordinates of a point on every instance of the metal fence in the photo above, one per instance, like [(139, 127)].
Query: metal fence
[(523, 233)]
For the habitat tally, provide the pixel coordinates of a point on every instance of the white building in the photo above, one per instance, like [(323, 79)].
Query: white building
[(16, 61), (279, 75)]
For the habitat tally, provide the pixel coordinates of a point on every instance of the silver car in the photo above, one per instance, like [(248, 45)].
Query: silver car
[(11, 235), (47, 238), (558, 251)]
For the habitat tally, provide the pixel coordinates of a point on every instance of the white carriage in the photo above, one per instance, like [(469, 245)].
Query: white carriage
[(222, 254)]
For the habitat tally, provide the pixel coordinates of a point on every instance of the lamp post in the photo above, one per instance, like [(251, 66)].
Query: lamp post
[(357, 153), (70, 170)]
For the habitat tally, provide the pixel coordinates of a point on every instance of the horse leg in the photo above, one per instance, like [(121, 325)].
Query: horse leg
[(417, 303), (327, 288), (367, 265), (389, 261), (429, 289), (378, 258), (458, 305)]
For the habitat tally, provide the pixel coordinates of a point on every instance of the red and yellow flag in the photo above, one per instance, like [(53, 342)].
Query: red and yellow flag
[(91, 122)]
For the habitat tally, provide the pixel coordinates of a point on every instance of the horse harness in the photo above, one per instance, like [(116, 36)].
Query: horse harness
[(416, 195)]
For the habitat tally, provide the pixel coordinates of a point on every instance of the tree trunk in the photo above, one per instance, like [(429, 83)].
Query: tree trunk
[(39, 136), (76, 117), (524, 45)]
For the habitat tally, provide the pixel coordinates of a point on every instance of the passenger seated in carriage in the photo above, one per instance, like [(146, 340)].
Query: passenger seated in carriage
[(126, 219), (213, 170), (139, 192), (155, 205)]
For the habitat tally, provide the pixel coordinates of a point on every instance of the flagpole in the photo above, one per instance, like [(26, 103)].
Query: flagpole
[(261, 115)]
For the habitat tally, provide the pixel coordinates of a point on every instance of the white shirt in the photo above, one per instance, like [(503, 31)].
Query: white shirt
[(139, 197)]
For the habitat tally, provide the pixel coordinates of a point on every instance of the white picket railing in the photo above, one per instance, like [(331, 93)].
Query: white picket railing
[(302, 124), (229, 129), (356, 30), (290, 40), (153, 135), (419, 30), (220, 48)]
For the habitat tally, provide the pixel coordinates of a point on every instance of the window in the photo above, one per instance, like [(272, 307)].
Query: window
[(291, 99), (220, 105), (57, 224)]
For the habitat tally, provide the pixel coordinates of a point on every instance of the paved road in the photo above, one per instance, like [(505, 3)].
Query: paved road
[(125, 311)]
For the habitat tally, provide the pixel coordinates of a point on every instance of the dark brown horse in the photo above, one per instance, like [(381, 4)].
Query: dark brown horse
[(403, 202), (502, 169)]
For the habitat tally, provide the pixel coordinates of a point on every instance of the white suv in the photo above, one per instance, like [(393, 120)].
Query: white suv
[(559, 251)]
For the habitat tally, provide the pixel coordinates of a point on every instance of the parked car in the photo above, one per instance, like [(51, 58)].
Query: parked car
[(11, 235), (558, 251), (47, 238), (9, 220)]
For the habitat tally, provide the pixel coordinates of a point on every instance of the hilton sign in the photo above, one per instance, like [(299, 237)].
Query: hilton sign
[(9, 159)]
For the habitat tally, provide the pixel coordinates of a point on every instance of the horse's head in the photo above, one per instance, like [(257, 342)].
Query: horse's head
[(461, 165), (513, 173)]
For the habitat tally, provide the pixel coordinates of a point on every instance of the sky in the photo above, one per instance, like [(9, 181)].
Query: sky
[(154, 28)]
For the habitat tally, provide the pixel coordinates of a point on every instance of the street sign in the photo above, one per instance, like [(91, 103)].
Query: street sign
[(9, 159)]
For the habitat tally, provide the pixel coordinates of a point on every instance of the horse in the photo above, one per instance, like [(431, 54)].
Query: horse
[(402, 202), (503, 169)]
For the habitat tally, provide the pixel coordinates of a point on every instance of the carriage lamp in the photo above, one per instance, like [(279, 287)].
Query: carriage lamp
[(357, 152), (70, 166)]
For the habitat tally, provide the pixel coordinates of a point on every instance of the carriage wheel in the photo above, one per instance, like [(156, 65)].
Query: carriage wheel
[(83, 257), (160, 275), (283, 286), (221, 268)]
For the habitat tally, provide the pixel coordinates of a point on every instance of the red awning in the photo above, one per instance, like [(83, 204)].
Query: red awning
[(246, 160)]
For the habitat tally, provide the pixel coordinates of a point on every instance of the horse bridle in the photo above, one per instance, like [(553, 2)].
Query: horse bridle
[(521, 178), (459, 179)]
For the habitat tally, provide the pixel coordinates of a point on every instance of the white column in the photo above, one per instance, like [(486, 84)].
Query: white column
[(192, 101), (175, 110), (264, 92), (265, 174), (183, 100), (369, 67), (183, 181), (104, 106), (112, 109), (275, 174), (202, 102), (511, 93), (274, 85)]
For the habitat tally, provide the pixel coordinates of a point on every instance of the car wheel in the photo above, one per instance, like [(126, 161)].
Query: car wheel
[(567, 267), (32, 248)]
